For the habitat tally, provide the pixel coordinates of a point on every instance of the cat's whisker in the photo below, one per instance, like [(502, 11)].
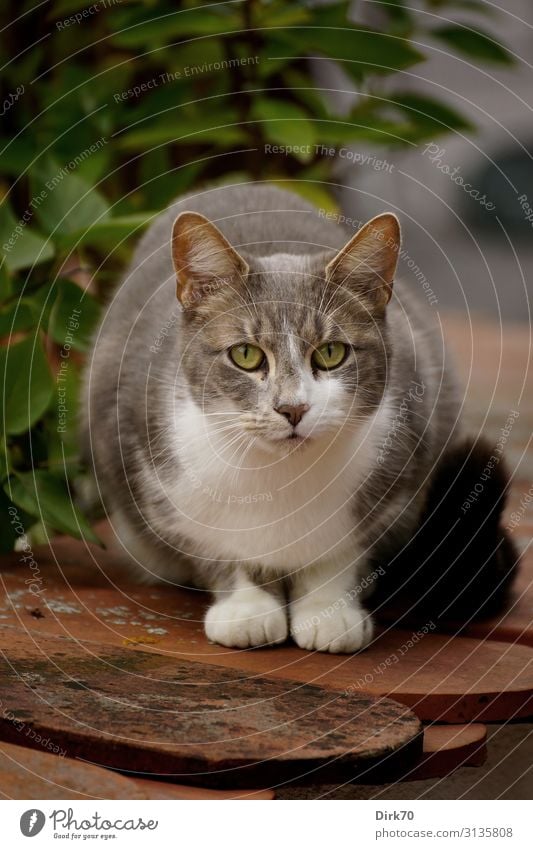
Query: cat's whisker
[(223, 413), (242, 437), (228, 461), (214, 428), (236, 466), (240, 463)]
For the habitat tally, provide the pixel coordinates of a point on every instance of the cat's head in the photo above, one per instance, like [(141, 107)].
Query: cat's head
[(288, 348)]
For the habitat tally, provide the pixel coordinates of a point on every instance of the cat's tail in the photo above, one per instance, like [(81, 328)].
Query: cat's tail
[(461, 562)]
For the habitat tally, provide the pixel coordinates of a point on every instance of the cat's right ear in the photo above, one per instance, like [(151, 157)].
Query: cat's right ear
[(367, 263), (203, 258)]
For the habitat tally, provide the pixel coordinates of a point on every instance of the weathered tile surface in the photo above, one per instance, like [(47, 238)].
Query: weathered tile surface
[(197, 723)]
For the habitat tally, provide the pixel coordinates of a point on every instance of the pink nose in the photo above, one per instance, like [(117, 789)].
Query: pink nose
[(293, 412)]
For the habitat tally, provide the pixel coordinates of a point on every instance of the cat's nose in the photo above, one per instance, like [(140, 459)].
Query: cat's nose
[(293, 412)]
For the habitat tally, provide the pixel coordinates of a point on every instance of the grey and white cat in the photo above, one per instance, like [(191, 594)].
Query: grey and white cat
[(269, 433)]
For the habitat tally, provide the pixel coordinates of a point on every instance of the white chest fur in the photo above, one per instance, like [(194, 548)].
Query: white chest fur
[(280, 512)]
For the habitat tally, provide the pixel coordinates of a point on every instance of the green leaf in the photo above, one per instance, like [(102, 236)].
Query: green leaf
[(63, 8), (332, 14), (356, 128), (6, 285), (286, 124), (62, 444), (17, 154), (73, 317), (180, 24), (211, 127), (69, 203), (433, 115), (41, 301), (193, 61), (317, 194), (270, 64), (39, 533), (27, 383), (9, 519), (15, 318), (474, 43), (161, 181), (22, 246), (304, 88), (109, 233), (281, 15), (46, 497), (401, 20), (362, 51), (4, 461)]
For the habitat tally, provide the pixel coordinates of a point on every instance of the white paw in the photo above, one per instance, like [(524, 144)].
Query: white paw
[(252, 620), (347, 630)]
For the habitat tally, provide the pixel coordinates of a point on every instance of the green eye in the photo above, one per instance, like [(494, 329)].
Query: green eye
[(329, 355), (248, 357)]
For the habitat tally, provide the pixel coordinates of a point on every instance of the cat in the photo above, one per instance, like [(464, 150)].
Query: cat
[(263, 408)]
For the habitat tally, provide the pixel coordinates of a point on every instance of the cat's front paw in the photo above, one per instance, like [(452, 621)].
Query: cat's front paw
[(245, 622), (347, 630)]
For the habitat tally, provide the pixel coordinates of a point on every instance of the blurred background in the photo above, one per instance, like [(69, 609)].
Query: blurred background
[(110, 110), (477, 258)]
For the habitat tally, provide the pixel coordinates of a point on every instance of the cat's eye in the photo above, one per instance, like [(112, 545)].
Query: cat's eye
[(329, 355), (248, 357)]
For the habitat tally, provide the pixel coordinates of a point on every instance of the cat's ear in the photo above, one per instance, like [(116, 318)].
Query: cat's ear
[(203, 258), (367, 263)]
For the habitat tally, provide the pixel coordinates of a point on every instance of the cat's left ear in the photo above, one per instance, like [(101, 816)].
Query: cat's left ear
[(203, 258), (367, 263)]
